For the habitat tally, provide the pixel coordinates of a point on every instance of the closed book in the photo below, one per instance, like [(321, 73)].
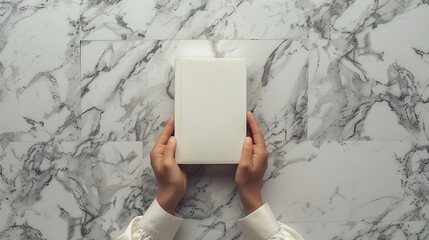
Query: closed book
[(210, 110)]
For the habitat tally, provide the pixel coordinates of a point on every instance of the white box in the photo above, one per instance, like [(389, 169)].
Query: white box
[(210, 110)]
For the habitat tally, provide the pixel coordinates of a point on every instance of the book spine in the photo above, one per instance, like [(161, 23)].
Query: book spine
[(177, 108)]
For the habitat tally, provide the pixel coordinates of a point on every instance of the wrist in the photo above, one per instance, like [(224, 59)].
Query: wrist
[(251, 201), (167, 202)]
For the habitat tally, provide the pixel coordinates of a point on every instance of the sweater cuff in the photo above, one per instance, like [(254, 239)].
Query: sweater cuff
[(260, 224), (160, 224)]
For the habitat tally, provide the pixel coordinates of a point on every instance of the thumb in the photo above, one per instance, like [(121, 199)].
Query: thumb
[(246, 153), (170, 148)]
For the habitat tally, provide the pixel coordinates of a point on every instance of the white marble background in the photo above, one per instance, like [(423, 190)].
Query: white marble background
[(340, 88)]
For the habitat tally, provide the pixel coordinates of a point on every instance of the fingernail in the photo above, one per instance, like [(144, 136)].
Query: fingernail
[(172, 138), (248, 140)]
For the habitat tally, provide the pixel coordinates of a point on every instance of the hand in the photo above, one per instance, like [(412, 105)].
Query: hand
[(252, 166), (171, 178)]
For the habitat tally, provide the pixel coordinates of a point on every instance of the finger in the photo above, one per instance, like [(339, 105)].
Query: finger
[(248, 131), (258, 137), (169, 149), (166, 133), (247, 151)]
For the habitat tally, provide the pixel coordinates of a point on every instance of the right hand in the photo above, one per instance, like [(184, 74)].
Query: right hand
[(252, 166), (170, 177)]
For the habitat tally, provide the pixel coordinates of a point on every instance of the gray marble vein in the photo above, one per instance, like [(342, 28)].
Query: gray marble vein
[(413, 230), (39, 66), (189, 19), (357, 181), (369, 71)]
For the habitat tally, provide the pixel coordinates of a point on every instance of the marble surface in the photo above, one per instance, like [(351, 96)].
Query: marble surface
[(194, 19), (339, 87), (376, 63), (39, 70)]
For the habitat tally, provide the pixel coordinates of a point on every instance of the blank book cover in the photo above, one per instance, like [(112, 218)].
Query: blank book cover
[(210, 110)]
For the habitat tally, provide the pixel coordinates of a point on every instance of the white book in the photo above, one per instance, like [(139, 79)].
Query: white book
[(210, 110)]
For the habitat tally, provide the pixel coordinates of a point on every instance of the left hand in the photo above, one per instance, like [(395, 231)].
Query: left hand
[(171, 178)]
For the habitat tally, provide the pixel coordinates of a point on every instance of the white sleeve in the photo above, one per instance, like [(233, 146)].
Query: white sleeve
[(155, 224), (261, 224)]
